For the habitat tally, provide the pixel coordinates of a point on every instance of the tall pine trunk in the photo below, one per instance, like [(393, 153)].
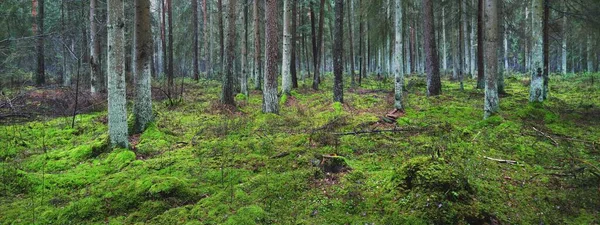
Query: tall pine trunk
[(95, 73), (491, 101), (257, 47), (227, 90), (38, 30), (434, 86), (270, 99), (536, 93), (338, 52), (195, 50), (244, 80), (397, 61), (480, 66), (294, 50), (142, 109)]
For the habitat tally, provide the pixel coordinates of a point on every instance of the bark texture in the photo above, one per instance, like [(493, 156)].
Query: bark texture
[(95, 72), (434, 85), (397, 61), (491, 102), (227, 90), (142, 109), (338, 52), (270, 99), (117, 105), (287, 51), (536, 92)]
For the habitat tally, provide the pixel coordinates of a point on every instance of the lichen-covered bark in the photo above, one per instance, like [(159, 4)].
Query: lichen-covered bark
[(227, 90), (287, 53), (434, 85), (257, 47), (491, 102), (537, 81), (117, 105), (564, 46), (270, 99), (95, 74), (338, 52), (142, 109), (397, 61), (244, 78)]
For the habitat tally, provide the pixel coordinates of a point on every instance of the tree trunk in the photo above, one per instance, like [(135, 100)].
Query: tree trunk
[(318, 44), (257, 47), (589, 53), (221, 35), (227, 90), (491, 102), (38, 30), (270, 99), (95, 73), (195, 50), (564, 45), (206, 27), (546, 46), (505, 37), (117, 104), (170, 72), (142, 109), (294, 50), (472, 38), (163, 37), (244, 80), (287, 51), (338, 52), (444, 47), (350, 8), (480, 66), (397, 61), (434, 85), (536, 93), (464, 32)]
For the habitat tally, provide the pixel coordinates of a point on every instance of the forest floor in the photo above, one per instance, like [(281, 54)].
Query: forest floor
[(317, 162)]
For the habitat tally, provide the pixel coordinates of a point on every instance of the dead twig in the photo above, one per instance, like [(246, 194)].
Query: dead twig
[(547, 136), (512, 162)]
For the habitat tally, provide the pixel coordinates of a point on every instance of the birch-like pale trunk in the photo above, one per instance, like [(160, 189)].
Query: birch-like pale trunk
[(95, 74), (117, 104), (505, 37), (472, 39), (444, 45), (465, 28), (491, 102), (287, 53), (590, 54), (397, 62)]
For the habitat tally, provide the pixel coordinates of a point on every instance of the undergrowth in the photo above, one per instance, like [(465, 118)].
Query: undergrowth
[(204, 163)]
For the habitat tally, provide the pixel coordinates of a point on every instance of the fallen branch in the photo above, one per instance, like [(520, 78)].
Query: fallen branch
[(15, 115), (547, 136), (512, 162), (395, 130)]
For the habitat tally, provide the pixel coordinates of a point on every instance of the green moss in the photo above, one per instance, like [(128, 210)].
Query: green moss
[(252, 214)]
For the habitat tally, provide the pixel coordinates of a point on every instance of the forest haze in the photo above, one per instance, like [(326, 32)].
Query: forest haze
[(300, 112)]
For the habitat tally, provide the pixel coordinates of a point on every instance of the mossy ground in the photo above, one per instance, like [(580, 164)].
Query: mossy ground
[(202, 163)]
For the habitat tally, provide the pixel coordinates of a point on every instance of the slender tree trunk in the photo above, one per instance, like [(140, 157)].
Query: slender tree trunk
[(464, 34), (170, 72), (206, 56), (338, 52), (491, 102), (95, 74), (564, 45), (39, 31), (319, 44), (397, 61), (257, 47), (444, 47), (142, 110), (546, 46), (472, 49), (117, 104), (294, 57), (460, 45), (227, 90), (350, 8), (536, 93), (195, 23), (221, 35), (244, 80), (270, 99), (480, 66), (505, 38), (163, 37), (287, 51), (362, 50), (434, 85), (589, 52)]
